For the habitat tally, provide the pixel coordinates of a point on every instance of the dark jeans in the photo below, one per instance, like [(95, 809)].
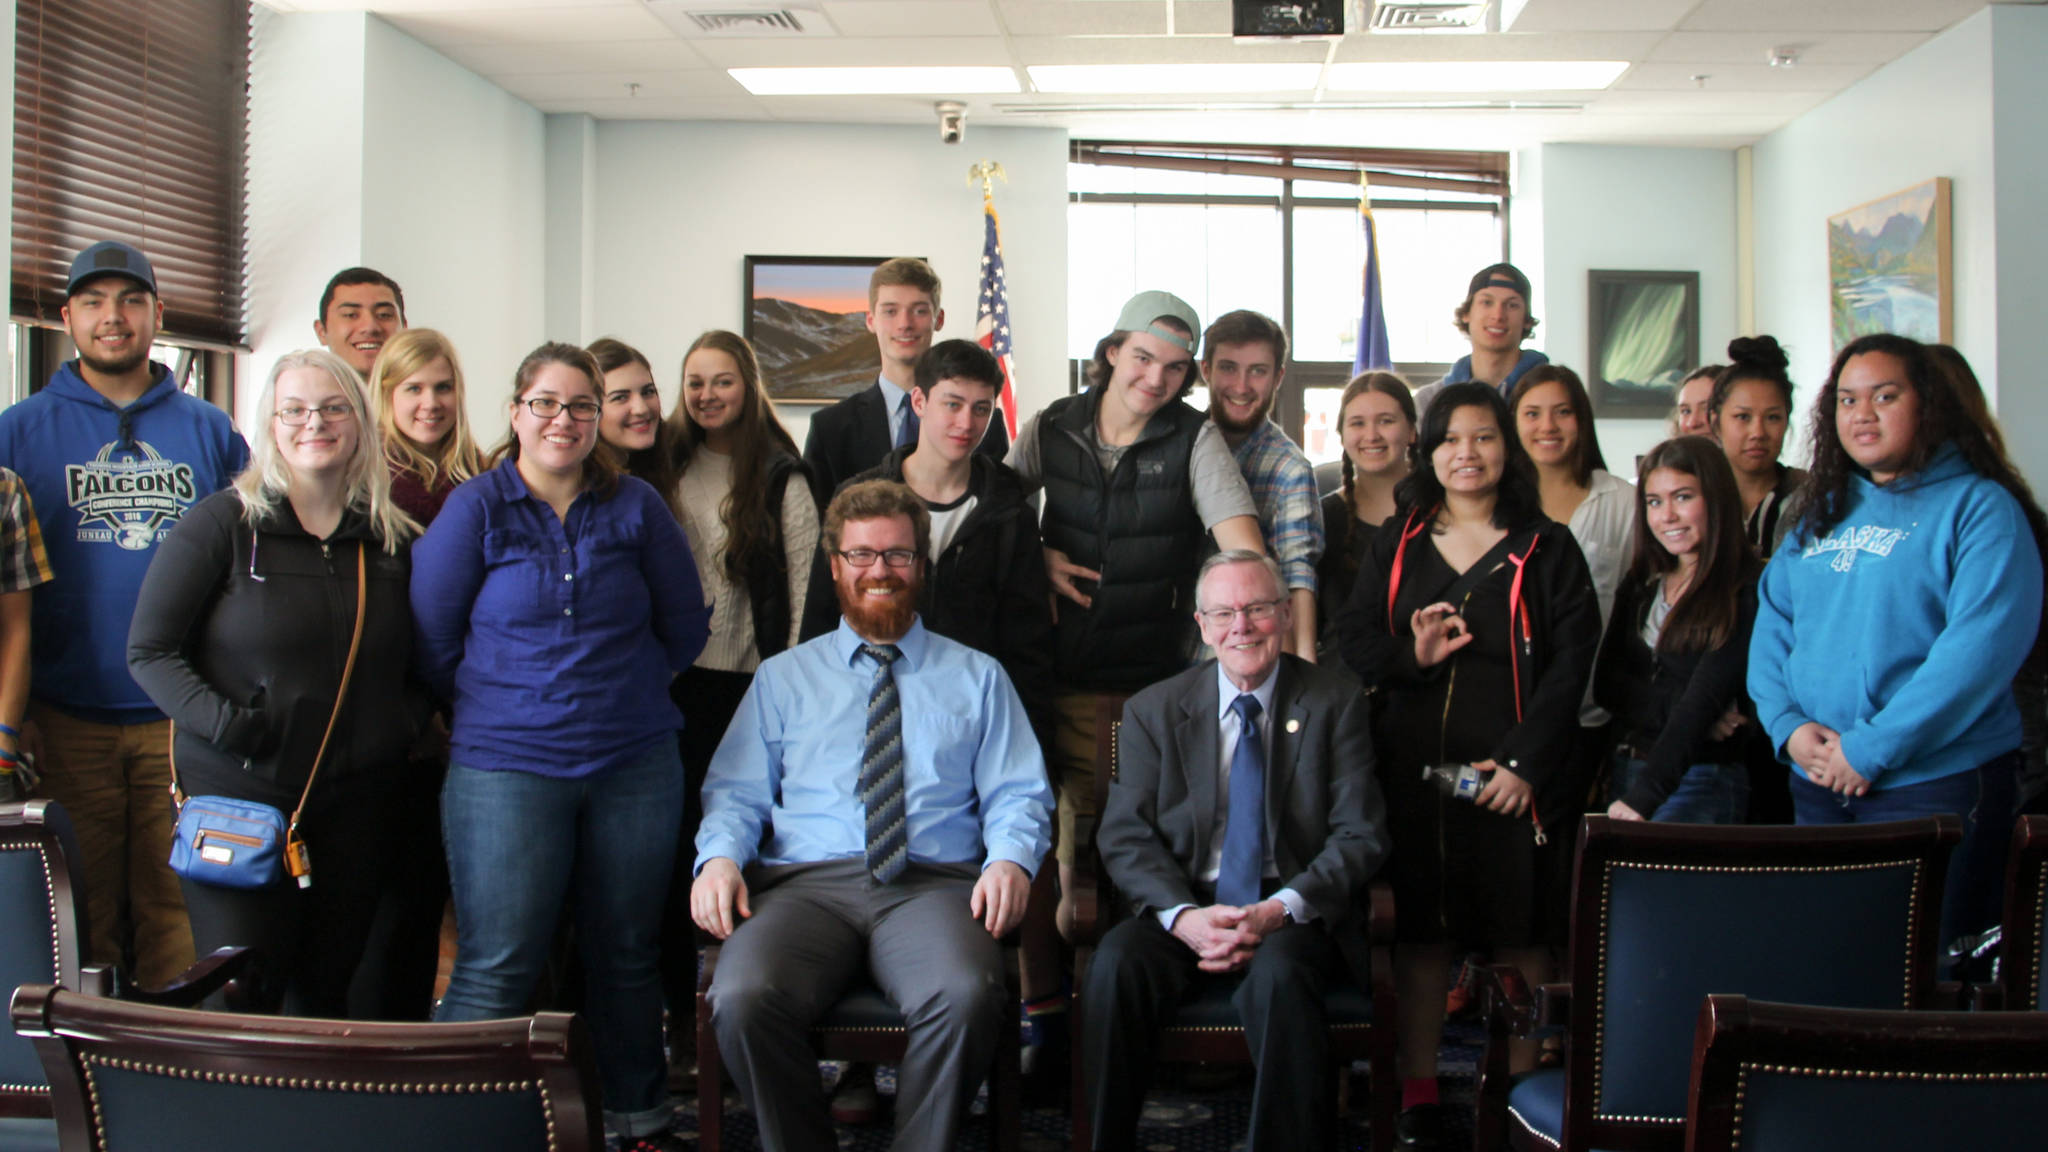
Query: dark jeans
[(1706, 794), (306, 941), (518, 844), (1983, 798)]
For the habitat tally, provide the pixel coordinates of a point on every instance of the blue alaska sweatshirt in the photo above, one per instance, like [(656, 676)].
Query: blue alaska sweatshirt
[(1903, 626), (108, 484)]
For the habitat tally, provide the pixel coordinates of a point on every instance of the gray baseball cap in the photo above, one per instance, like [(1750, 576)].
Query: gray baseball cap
[(110, 258), (1141, 312)]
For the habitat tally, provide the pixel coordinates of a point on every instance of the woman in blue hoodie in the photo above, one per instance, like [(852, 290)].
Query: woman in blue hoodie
[(1893, 617)]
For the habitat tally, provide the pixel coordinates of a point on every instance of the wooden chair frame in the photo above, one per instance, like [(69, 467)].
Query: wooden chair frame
[(1737, 1038), (1514, 1009), (549, 1053), (2026, 919), (1375, 1042)]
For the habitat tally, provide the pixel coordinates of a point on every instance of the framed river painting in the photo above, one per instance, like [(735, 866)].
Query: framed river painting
[(1890, 267)]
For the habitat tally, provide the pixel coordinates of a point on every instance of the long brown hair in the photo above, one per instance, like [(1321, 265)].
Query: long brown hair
[(601, 468), (1586, 453), (1386, 384), (1705, 617), (658, 463), (758, 437)]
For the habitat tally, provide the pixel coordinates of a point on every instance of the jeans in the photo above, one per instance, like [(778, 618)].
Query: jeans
[(1706, 794), (1983, 799), (518, 845)]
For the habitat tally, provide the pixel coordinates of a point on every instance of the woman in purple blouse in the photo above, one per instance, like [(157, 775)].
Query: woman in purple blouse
[(555, 598)]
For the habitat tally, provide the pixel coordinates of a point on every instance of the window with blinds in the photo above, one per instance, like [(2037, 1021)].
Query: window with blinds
[(130, 123)]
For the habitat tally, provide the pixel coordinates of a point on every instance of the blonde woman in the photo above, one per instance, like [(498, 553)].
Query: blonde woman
[(240, 636), (417, 382)]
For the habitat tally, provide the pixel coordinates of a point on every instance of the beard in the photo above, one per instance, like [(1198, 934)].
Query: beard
[(880, 621), (106, 366), (1234, 426)]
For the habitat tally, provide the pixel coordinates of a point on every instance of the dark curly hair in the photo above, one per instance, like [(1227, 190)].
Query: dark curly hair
[(1516, 501), (1943, 420)]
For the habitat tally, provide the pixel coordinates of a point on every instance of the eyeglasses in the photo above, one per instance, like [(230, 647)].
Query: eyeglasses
[(296, 414), (865, 557), (1257, 612), (547, 408)]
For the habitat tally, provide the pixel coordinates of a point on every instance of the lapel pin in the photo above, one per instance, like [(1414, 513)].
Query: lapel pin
[(1293, 726)]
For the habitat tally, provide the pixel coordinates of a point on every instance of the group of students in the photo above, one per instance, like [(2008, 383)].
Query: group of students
[(551, 641)]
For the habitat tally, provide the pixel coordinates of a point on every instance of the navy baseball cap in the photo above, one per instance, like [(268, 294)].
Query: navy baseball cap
[(110, 258)]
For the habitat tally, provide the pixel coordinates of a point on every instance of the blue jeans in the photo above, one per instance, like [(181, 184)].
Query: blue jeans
[(518, 845), (1706, 794), (1983, 799)]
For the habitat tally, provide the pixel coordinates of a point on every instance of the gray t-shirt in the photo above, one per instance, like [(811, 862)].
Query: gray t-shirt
[(1219, 488)]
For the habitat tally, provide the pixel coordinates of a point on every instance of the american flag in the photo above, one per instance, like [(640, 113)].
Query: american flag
[(992, 312)]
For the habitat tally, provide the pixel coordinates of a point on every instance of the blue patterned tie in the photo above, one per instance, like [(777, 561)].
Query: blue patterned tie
[(881, 769), (906, 434), (1244, 831)]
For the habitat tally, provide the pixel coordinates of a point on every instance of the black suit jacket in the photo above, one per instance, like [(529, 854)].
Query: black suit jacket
[(1325, 819), (852, 436)]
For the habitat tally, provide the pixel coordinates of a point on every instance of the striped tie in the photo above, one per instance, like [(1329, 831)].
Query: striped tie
[(881, 769)]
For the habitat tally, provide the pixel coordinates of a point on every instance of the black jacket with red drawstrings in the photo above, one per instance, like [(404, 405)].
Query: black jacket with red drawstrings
[(1555, 622)]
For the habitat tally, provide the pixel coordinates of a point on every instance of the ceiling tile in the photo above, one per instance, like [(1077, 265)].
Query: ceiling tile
[(578, 56), (533, 25), (394, 7), (912, 17), (1828, 78), (980, 50), (1536, 46), (1602, 15), (612, 86), (1159, 50), (1857, 15), (1096, 18), (1785, 105), (672, 108), (1815, 47)]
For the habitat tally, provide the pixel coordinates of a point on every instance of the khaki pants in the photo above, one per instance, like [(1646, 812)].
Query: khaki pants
[(1072, 761), (114, 782)]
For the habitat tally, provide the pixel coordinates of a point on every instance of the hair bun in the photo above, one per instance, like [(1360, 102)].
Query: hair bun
[(1759, 352)]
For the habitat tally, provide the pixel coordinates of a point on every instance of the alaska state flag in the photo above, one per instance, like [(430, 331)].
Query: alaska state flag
[(1372, 318)]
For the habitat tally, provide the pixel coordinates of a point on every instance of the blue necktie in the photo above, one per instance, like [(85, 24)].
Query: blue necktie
[(881, 770), (1244, 831), (906, 433)]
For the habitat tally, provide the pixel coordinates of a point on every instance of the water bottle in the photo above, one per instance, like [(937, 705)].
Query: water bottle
[(1459, 781)]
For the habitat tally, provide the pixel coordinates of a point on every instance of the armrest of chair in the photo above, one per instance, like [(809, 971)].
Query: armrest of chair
[(1956, 996), (1512, 1009), (208, 975), (1985, 998), (707, 968), (1553, 1007), (1087, 905)]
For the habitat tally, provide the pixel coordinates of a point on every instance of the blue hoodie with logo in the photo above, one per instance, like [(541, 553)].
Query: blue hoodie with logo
[(1903, 626), (108, 484)]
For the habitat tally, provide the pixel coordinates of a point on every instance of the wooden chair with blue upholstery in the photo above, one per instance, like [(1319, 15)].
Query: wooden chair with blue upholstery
[(2023, 935), (135, 1076), (1665, 914), (1205, 1029), (43, 941), (1792, 1078)]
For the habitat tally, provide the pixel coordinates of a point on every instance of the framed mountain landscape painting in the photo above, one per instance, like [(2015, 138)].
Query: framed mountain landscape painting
[(807, 321), (1890, 267)]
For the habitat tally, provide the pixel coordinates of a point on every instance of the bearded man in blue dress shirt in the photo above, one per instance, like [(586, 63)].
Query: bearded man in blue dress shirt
[(878, 804)]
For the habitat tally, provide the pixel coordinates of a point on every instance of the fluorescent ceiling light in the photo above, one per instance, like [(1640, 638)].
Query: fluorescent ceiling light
[(1476, 76), (1171, 78), (950, 81)]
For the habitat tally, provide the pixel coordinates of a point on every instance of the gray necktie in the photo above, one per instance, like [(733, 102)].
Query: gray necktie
[(881, 769)]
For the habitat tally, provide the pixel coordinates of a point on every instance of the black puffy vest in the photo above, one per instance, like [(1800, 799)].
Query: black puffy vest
[(1138, 527)]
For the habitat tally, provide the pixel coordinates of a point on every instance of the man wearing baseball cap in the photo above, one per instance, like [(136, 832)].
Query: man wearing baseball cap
[(1495, 317), (1136, 482), (114, 455)]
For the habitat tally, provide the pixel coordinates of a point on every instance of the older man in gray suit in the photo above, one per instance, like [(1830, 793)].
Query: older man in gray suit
[(1242, 827)]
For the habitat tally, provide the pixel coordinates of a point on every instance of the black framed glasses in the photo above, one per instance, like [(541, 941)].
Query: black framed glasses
[(1256, 612), (547, 408), (865, 557), (294, 415)]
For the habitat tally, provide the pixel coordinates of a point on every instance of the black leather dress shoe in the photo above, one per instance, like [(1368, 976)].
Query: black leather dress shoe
[(1420, 1128)]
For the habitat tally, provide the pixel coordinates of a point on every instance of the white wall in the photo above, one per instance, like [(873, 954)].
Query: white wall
[(679, 206), (305, 178), (1927, 114), (1639, 209), (367, 147), (2019, 46), (453, 199)]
